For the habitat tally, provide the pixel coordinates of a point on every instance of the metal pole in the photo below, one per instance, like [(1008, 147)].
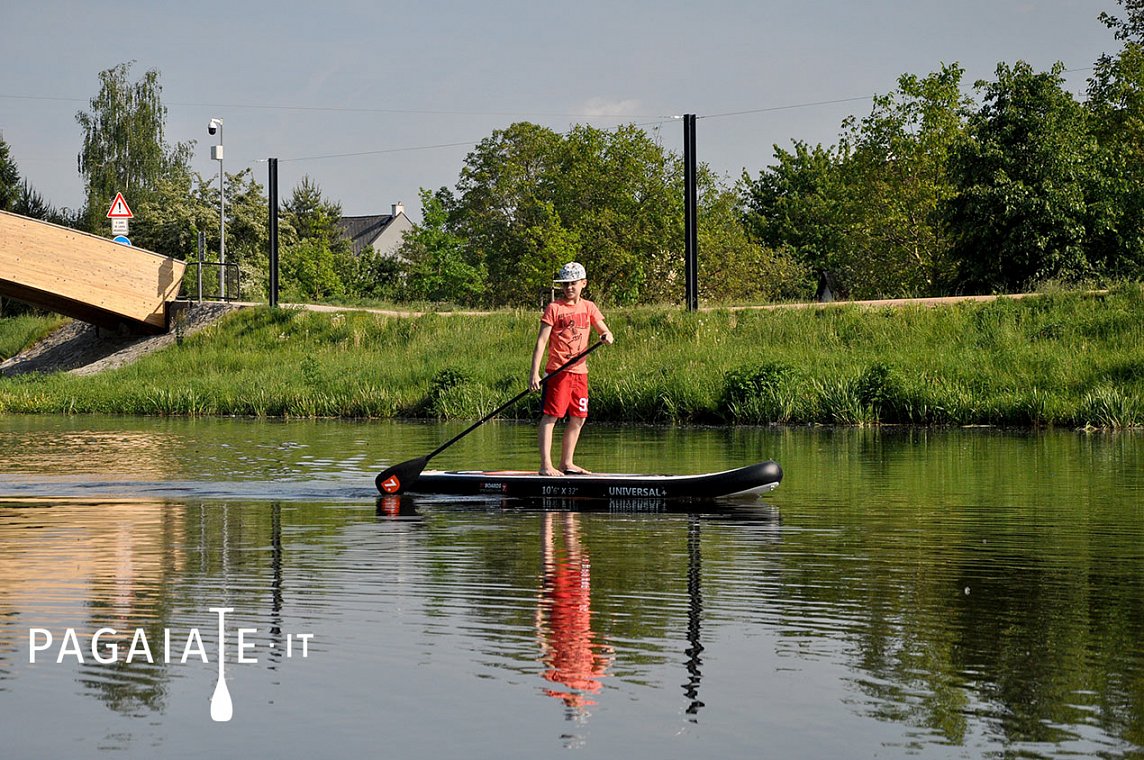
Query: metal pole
[(272, 191), (202, 249), (221, 218), (690, 217)]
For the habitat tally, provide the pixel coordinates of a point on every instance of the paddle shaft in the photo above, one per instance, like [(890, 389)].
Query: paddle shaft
[(511, 401)]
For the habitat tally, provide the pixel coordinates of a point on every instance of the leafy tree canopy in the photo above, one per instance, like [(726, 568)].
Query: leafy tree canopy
[(1021, 175), (124, 149)]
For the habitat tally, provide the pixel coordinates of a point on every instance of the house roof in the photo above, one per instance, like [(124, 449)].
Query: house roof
[(363, 230)]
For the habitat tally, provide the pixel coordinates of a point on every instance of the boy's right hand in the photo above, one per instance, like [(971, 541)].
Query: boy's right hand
[(534, 383)]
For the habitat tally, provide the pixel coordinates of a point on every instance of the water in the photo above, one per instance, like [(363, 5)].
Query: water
[(931, 594)]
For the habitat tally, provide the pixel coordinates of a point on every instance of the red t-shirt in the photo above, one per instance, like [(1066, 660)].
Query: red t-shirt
[(571, 328)]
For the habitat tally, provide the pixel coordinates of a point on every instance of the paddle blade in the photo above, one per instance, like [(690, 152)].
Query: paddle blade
[(395, 479)]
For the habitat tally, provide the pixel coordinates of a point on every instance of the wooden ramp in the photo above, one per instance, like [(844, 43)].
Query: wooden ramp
[(86, 277)]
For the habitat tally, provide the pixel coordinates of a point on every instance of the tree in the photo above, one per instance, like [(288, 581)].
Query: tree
[(435, 265), (865, 210), (169, 219), (799, 203), (621, 195), (9, 178), (123, 145), (247, 232), (374, 274), (1018, 216), (499, 210), (18, 196), (1131, 27), (1116, 104), (895, 172), (313, 229), (313, 217), (310, 272), (31, 204), (731, 267), (530, 200)]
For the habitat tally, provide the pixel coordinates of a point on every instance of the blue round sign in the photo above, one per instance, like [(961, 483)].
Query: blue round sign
[(122, 239)]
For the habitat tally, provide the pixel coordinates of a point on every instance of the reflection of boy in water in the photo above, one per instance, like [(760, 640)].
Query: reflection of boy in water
[(564, 618)]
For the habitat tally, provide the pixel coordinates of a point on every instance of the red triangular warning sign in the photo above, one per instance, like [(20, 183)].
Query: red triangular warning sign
[(119, 209)]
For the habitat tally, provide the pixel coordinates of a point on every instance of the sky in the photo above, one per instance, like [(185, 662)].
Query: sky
[(376, 100)]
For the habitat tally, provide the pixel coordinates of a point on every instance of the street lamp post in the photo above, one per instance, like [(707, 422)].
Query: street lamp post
[(216, 154)]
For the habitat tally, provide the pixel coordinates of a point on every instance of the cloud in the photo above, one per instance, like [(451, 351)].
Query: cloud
[(601, 107)]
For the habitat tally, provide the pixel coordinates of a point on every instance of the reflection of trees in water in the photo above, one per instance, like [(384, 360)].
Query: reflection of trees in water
[(982, 630), (1061, 645), (128, 688), (1044, 647), (102, 453), (93, 566), (136, 565)]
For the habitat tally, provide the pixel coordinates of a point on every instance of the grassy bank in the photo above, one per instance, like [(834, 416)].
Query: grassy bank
[(18, 332), (1063, 359)]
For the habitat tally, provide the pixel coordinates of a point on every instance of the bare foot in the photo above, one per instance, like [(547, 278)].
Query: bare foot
[(551, 472), (576, 470)]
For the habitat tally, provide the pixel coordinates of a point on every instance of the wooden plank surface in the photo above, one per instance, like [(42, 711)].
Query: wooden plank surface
[(65, 269)]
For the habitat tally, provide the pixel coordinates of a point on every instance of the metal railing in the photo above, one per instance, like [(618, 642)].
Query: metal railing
[(209, 286), (223, 280)]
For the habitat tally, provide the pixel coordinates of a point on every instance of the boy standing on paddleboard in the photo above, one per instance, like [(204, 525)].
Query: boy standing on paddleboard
[(565, 328)]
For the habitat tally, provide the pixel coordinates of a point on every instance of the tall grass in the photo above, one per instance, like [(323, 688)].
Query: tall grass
[(1061, 359), (24, 330)]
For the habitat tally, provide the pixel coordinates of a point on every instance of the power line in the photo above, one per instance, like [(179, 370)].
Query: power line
[(378, 152), (411, 111), (653, 121), (345, 109), (769, 109), (457, 112)]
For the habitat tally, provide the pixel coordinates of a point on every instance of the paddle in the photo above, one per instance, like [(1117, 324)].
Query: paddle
[(398, 477)]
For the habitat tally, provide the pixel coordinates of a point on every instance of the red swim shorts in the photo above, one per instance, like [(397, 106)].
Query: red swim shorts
[(567, 393)]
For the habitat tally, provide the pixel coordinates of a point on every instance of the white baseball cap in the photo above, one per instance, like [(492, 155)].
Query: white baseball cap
[(571, 272)]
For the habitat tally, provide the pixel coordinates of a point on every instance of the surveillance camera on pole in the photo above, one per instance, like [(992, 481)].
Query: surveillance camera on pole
[(214, 126)]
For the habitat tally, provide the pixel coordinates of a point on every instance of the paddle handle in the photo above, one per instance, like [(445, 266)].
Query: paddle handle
[(512, 401)]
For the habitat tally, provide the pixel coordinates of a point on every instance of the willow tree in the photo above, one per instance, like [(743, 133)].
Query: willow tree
[(124, 149)]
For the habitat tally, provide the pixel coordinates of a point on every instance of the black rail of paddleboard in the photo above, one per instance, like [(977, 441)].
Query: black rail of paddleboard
[(600, 486)]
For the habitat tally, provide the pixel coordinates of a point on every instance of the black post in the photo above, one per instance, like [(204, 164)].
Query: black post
[(272, 190), (690, 201)]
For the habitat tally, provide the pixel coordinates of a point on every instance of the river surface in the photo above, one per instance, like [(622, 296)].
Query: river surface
[(948, 594)]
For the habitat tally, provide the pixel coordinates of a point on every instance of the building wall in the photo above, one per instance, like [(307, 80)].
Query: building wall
[(390, 238)]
